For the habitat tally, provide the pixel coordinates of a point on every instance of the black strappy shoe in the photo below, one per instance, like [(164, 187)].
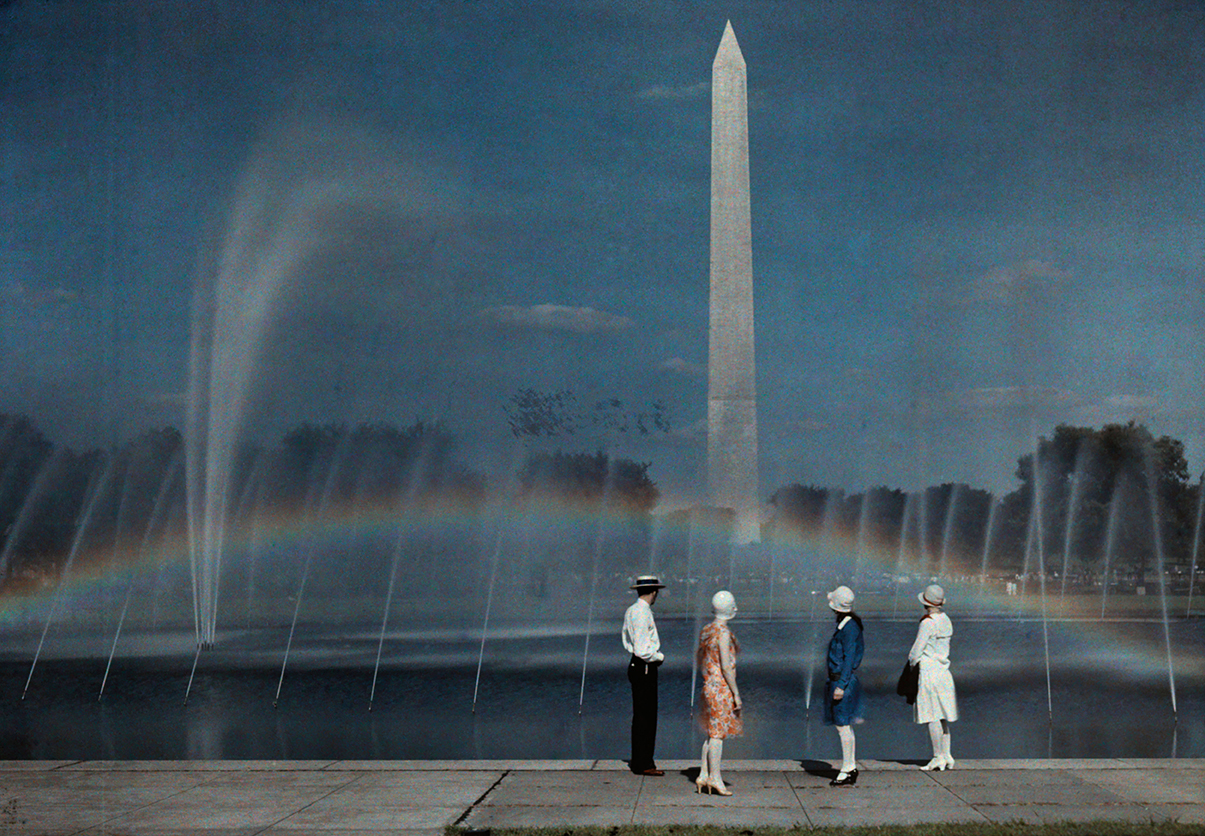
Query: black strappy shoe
[(849, 779)]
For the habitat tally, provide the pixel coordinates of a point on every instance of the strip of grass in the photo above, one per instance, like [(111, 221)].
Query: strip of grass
[(1099, 828)]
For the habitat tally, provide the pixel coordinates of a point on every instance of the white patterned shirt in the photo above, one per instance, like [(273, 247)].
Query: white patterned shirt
[(640, 632)]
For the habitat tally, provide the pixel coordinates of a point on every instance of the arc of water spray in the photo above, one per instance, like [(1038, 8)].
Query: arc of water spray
[(123, 505), (1068, 529), (1072, 507), (811, 655), (212, 619), (91, 498), (922, 525), (177, 519), (157, 513), (32, 498), (254, 540), (773, 572), (863, 512), (331, 475), (228, 330), (1027, 562), (1157, 530), (193, 672), (1039, 533), (989, 530), (406, 504), (1110, 541), (654, 537), (397, 551), (909, 505), (489, 599), (489, 604), (1196, 544), (947, 533), (270, 233), (690, 560), (599, 539)]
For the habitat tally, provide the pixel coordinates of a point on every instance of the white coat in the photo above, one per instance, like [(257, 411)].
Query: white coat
[(935, 698)]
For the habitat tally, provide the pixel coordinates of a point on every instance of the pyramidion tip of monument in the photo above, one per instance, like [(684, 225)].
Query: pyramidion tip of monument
[(729, 49)]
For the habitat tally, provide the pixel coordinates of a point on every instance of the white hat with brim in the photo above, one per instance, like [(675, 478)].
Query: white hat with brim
[(841, 599), (646, 583), (932, 596)]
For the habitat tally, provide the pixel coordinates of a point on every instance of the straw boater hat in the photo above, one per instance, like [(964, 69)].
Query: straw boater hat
[(841, 599), (933, 596), (645, 583)]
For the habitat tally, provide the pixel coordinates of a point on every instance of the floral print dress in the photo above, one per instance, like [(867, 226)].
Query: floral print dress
[(719, 718)]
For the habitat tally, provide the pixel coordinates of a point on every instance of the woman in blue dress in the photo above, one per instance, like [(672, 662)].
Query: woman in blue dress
[(843, 693)]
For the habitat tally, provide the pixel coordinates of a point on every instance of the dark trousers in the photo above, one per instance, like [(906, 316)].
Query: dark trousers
[(643, 676)]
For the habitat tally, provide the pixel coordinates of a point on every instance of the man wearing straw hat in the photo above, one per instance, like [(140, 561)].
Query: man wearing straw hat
[(640, 639)]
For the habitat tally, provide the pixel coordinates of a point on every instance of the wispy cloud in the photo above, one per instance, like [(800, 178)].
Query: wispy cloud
[(684, 367), (18, 292), (1017, 283), (661, 92), (557, 318), (996, 397), (1140, 403)]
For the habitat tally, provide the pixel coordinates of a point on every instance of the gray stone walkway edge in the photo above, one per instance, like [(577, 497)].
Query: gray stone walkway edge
[(567, 765)]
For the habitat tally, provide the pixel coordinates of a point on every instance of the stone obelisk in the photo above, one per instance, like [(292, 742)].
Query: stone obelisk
[(732, 390)]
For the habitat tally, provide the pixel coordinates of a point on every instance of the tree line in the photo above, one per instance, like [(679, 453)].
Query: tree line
[(104, 505), (1088, 500)]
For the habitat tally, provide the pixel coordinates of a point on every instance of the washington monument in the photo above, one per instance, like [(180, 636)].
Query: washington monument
[(732, 388)]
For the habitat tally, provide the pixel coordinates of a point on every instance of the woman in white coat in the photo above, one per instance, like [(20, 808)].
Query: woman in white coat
[(935, 701)]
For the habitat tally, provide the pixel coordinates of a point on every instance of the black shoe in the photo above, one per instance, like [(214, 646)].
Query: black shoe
[(849, 779)]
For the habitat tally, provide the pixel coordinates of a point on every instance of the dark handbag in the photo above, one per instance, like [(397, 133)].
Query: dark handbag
[(909, 682)]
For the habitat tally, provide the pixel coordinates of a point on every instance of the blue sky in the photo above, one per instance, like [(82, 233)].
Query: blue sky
[(971, 221)]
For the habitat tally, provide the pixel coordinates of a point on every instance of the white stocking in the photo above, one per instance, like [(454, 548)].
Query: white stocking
[(945, 741), (848, 764), (703, 770), (935, 736), (715, 752)]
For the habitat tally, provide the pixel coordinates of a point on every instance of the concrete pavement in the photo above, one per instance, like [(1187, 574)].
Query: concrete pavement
[(356, 798)]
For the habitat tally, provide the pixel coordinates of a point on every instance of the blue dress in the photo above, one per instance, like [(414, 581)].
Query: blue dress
[(845, 651)]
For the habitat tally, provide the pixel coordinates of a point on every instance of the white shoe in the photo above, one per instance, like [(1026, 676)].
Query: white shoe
[(949, 762), (936, 765)]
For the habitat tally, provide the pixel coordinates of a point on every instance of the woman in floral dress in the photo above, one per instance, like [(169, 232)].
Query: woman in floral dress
[(721, 715)]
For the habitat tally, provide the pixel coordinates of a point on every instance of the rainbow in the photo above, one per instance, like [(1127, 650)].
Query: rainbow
[(95, 570)]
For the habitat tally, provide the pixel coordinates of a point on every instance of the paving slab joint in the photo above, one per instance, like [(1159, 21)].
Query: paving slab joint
[(460, 820)]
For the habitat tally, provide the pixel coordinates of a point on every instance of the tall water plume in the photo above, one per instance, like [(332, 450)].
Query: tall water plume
[(1110, 543), (158, 511), (37, 493), (285, 218), (863, 514), (988, 531), (1196, 544), (101, 477), (1156, 505), (1039, 536), (909, 513), (948, 528), (1073, 502)]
